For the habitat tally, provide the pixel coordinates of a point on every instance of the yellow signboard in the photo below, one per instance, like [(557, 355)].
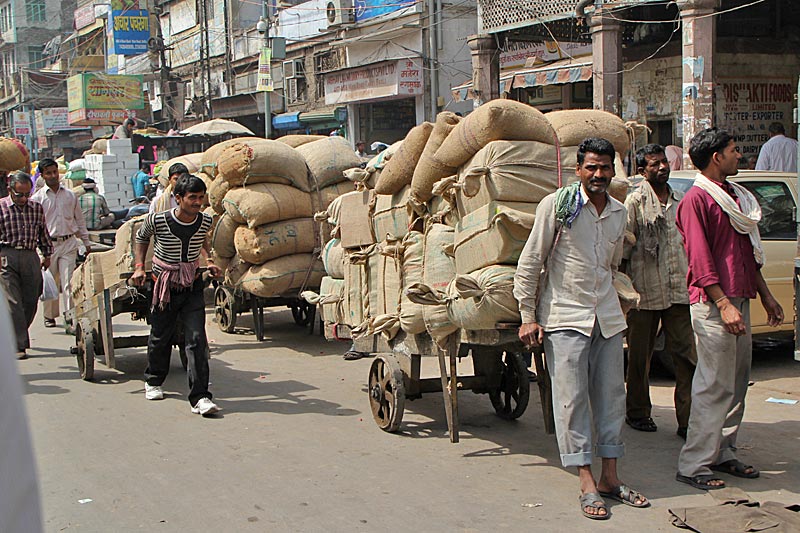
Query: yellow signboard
[(104, 91)]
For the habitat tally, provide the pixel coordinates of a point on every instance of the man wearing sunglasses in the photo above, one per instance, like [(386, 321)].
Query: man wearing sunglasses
[(22, 230)]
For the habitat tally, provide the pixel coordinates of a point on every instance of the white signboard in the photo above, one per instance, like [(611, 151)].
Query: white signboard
[(54, 119), (22, 123), (392, 78), (516, 53)]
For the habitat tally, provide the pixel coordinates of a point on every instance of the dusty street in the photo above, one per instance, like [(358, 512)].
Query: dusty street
[(296, 448)]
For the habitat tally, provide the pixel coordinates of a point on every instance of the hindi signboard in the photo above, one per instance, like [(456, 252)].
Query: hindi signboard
[(102, 91), (391, 78), (264, 82), (22, 123), (131, 32)]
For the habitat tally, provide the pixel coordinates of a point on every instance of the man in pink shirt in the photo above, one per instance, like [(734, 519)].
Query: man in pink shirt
[(719, 224)]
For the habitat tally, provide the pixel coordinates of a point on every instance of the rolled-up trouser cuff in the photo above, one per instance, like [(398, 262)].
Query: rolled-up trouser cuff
[(610, 451), (576, 459)]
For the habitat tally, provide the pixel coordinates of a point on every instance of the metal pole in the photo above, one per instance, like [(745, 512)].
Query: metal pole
[(267, 110)]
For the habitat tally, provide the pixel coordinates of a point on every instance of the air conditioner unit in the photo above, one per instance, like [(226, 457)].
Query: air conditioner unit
[(340, 12), (293, 68), (293, 95)]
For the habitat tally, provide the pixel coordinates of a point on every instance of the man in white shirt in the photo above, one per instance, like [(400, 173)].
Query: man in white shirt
[(574, 311), (361, 149), (65, 222), (779, 153)]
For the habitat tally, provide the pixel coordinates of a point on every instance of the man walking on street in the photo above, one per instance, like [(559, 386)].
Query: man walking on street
[(22, 230), (577, 238), (179, 239), (779, 153), (657, 267), (719, 223), (65, 222)]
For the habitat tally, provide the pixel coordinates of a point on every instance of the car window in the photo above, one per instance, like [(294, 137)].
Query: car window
[(777, 209)]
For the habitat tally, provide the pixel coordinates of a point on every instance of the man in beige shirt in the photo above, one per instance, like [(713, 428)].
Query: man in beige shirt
[(577, 238), (657, 265), (65, 222)]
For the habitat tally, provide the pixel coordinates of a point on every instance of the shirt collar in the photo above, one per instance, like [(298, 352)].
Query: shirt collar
[(610, 206)]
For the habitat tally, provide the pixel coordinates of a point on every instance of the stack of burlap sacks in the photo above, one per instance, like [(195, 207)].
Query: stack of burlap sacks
[(263, 196), (434, 246)]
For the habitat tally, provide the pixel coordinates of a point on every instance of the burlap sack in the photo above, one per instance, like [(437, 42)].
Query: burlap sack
[(399, 170), (429, 170), (263, 203), (221, 262), (411, 313), (509, 171), (97, 272), (214, 220), (283, 276), (438, 270), (333, 258), (208, 163), (362, 177), (13, 155), (390, 218), (299, 140), (327, 159), (192, 162), (574, 125), (496, 120), (618, 189), (263, 161), (264, 243), (235, 270), (320, 200), (492, 235), (222, 239), (483, 299), (331, 292), (124, 242), (100, 146), (387, 278), (353, 303), (216, 193), (379, 161)]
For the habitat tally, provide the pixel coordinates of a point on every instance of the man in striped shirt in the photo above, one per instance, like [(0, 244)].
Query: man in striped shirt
[(180, 239)]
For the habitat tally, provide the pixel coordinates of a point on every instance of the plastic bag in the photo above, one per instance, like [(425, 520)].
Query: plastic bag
[(49, 287)]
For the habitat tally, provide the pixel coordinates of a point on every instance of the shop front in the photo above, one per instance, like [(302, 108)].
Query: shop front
[(318, 122)]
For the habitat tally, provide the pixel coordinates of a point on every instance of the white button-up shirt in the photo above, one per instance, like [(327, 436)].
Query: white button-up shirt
[(778, 154), (62, 213), (577, 286)]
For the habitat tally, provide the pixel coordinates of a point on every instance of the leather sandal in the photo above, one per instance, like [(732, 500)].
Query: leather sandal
[(642, 424), (594, 501)]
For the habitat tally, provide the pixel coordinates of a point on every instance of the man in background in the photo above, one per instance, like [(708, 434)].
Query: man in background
[(361, 149), (94, 207), (165, 199), (140, 180), (779, 153), (124, 130)]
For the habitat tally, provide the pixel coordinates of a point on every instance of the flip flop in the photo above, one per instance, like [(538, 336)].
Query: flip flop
[(352, 355), (642, 424), (736, 468), (700, 482), (593, 500), (628, 496)]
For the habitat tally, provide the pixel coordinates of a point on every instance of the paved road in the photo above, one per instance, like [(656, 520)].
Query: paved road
[(296, 448)]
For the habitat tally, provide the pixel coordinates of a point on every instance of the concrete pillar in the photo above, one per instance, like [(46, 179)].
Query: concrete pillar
[(606, 61), (697, 89), (485, 68)]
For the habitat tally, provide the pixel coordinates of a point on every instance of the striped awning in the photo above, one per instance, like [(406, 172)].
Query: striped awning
[(558, 72)]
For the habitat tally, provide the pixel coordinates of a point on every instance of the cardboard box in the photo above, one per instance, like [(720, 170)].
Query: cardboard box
[(119, 146), (354, 219)]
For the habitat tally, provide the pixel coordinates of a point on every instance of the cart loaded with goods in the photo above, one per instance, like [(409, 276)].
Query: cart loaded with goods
[(420, 260)]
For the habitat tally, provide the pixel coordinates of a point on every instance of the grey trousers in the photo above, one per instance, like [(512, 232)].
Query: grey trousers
[(718, 389), (21, 275), (588, 385)]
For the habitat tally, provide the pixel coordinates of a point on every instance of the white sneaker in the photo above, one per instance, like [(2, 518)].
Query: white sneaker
[(204, 407), (153, 392)]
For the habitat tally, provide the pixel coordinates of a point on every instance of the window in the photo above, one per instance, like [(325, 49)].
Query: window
[(777, 210), (35, 10), (35, 57)]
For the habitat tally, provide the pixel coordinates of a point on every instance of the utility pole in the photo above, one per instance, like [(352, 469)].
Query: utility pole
[(267, 23)]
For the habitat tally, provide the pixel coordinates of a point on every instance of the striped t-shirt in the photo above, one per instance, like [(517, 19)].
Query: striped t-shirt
[(175, 241)]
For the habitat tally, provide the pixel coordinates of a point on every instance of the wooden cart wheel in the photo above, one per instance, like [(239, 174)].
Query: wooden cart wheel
[(301, 312), (84, 337), (510, 399), (98, 346), (224, 310), (387, 394)]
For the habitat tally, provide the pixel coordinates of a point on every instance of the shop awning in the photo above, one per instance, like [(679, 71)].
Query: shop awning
[(337, 115), (557, 72), (287, 121), (94, 26)]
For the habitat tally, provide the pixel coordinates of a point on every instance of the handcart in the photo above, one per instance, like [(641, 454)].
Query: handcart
[(94, 333), (230, 302), (499, 371)]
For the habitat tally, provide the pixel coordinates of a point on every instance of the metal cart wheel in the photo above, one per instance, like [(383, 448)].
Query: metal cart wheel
[(510, 399), (302, 312), (387, 393), (224, 309), (85, 340)]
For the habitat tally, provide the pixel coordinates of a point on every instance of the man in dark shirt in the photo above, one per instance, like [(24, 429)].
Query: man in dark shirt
[(22, 229), (180, 239), (718, 220)]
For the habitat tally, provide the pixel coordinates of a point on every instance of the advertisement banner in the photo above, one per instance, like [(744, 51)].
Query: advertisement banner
[(22, 123), (131, 31), (52, 119), (516, 53), (367, 9), (99, 117), (84, 16), (393, 78), (103, 91), (264, 82)]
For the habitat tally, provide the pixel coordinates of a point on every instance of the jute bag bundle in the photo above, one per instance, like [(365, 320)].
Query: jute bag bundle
[(214, 220), (14, 155), (236, 269), (124, 243), (263, 161), (328, 221), (575, 125), (492, 235), (263, 203), (390, 217), (100, 146), (330, 298), (222, 238), (299, 140), (362, 178), (192, 162), (353, 303), (399, 170), (216, 193), (285, 237), (386, 319), (208, 163), (221, 262), (320, 200), (367, 259), (496, 120), (282, 275), (429, 170), (411, 313), (333, 258), (483, 299), (327, 159)]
